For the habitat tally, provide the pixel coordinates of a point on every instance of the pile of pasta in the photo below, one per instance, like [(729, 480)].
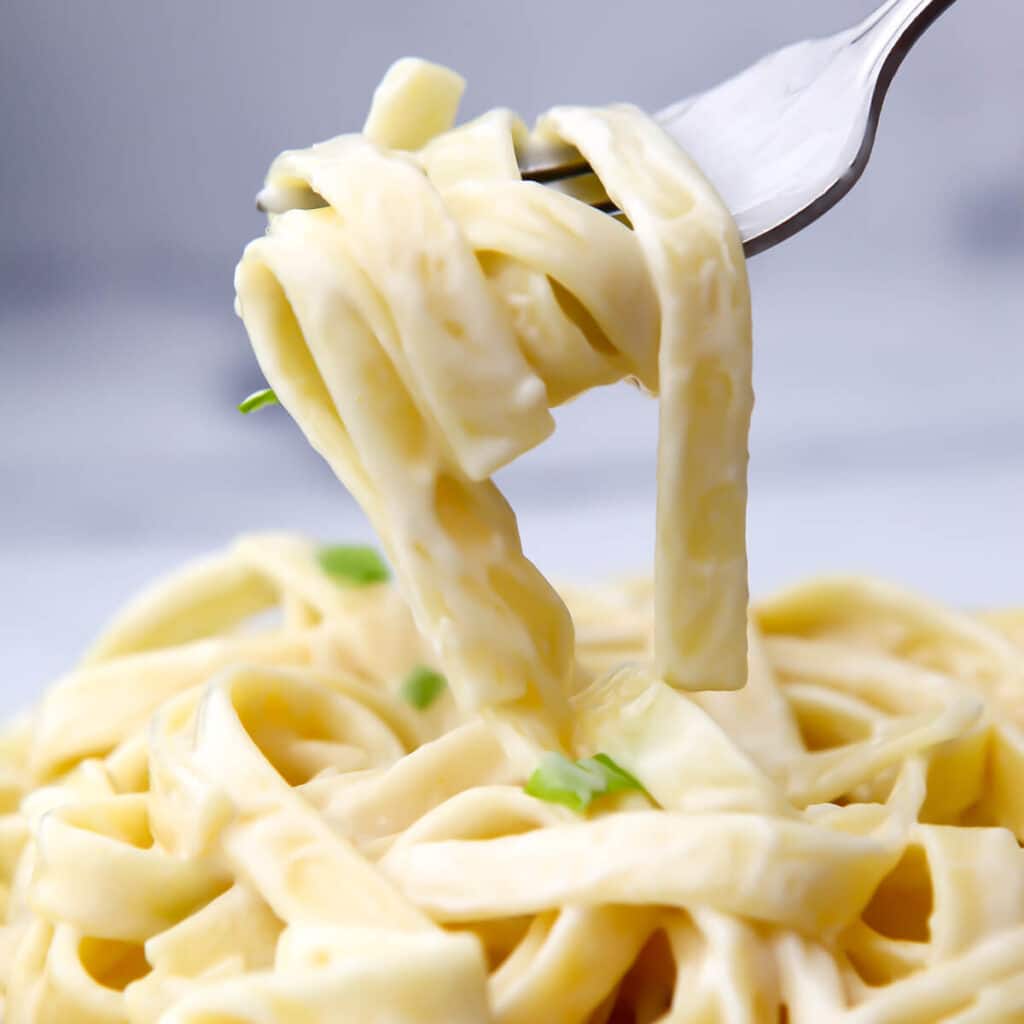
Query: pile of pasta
[(619, 804), (223, 816)]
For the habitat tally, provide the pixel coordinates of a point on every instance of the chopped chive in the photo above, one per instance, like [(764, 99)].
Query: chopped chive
[(422, 686), (616, 776), (353, 564), (560, 781), (576, 783), (257, 400)]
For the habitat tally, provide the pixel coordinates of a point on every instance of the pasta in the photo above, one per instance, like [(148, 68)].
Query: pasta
[(280, 788)]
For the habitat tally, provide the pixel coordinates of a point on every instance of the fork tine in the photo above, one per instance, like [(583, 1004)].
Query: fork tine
[(556, 166), (281, 198), (586, 187), (547, 163)]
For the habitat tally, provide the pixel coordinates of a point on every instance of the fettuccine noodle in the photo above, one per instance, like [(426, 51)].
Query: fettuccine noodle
[(232, 811)]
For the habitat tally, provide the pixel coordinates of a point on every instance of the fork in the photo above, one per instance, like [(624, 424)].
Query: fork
[(782, 141)]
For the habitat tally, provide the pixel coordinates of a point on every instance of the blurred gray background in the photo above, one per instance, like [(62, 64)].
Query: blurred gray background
[(889, 352)]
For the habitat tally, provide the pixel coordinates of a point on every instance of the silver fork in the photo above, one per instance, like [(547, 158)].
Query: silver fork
[(782, 141)]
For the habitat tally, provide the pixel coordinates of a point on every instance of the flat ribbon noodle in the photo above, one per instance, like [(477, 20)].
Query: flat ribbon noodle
[(229, 812)]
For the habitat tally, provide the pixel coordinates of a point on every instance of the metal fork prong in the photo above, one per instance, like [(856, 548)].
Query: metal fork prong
[(546, 163), (282, 198), (586, 187)]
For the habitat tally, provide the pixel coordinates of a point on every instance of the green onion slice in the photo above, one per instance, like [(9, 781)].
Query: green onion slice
[(353, 564), (616, 777), (577, 783), (257, 400), (422, 686)]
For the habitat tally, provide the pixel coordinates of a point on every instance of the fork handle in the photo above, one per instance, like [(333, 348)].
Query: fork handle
[(892, 30)]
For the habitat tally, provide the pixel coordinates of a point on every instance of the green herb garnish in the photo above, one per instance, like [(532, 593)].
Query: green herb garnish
[(576, 783), (257, 400), (617, 777), (353, 564), (422, 686)]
